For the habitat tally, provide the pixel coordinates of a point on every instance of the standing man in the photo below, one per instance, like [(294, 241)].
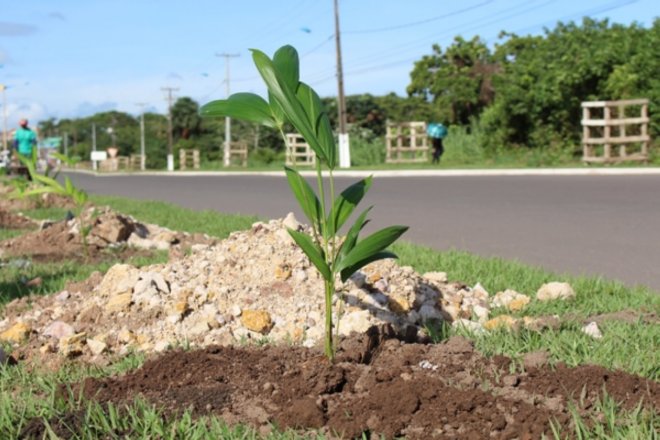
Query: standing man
[(437, 132), (25, 139)]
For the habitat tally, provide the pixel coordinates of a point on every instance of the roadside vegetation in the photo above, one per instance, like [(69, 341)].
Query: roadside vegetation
[(625, 345), (514, 105)]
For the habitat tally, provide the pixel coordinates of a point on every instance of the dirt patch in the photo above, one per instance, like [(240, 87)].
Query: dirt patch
[(57, 244), (626, 316), (47, 200), (10, 220), (379, 385), (111, 236)]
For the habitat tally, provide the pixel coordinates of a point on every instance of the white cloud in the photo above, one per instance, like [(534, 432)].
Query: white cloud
[(9, 29)]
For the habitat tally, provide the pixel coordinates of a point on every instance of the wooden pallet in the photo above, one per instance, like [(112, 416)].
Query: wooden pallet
[(607, 125)]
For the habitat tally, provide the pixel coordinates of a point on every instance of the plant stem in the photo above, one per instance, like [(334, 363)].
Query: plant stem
[(329, 344)]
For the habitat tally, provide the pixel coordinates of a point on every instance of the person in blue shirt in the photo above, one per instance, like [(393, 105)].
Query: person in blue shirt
[(24, 139), (436, 132)]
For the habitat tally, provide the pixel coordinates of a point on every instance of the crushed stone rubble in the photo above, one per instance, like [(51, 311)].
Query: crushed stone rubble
[(253, 285)]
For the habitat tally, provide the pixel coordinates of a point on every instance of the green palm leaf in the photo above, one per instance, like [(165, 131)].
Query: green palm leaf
[(305, 195), (371, 245), (246, 106), (313, 252), (344, 205)]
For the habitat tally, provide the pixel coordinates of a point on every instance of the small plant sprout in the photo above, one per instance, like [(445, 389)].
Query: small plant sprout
[(292, 101), (46, 184)]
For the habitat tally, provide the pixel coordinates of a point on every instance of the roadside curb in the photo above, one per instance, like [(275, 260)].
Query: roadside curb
[(655, 171)]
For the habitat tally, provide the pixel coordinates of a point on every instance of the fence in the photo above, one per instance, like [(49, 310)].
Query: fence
[(188, 159), (298, 152), (238, 151), (607, 124), (406, 142)]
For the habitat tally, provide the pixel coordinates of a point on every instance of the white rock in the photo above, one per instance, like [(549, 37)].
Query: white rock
[(120, 278), (96, 347), (358, 321), (592, 330), (470, 326), (199, 247), (174, 318), (438, 277), (62, 296), (299, 275), (291, 222), (481, 313), (59, 330), (235, 311), (161, 346), (555, 290), (198, 329), (479, 292)]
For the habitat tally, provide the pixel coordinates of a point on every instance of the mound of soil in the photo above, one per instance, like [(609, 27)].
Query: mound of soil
[(108, 239), (10, 220), (47, 200), (379, 386)]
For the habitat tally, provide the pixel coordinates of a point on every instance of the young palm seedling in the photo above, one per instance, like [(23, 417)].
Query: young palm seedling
[(292, 101), (46, 184)]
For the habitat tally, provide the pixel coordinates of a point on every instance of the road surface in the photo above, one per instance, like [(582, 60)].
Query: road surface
[(583, 225)]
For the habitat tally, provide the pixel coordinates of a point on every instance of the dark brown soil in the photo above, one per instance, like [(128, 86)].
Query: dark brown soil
[(10, 220), (56, 244), (378, 386)]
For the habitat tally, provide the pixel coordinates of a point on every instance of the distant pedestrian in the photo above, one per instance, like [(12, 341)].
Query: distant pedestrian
[(25, 139), (436, 132)]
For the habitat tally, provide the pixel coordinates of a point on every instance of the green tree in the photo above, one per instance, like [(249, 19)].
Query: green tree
[(457, 80), (186, 121), (545, 78)]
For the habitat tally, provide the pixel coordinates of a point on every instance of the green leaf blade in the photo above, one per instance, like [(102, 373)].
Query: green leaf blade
[(350, 270), (287, 100), (371, 245), (344, 205), (286, 62), (305, 195), (245, 106), (352, 235), (318, 119), (313, 252)]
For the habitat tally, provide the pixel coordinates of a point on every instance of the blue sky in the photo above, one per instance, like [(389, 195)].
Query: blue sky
[(68, 58)]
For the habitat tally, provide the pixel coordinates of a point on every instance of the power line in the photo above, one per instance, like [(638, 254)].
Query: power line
[(419, 22)]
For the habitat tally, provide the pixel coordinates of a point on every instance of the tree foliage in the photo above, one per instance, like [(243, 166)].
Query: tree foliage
[(458, 80)]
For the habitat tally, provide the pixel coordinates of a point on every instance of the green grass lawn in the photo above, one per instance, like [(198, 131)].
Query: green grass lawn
[(624, 346)]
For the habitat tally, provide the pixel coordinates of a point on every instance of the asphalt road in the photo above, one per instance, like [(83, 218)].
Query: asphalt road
[(593, 225)]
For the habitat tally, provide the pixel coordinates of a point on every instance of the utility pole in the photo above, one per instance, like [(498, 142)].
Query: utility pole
[(94, 164), (66, 143), (4, 116), (227, 147), (170, 139), (344, 148), (142, 156)]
